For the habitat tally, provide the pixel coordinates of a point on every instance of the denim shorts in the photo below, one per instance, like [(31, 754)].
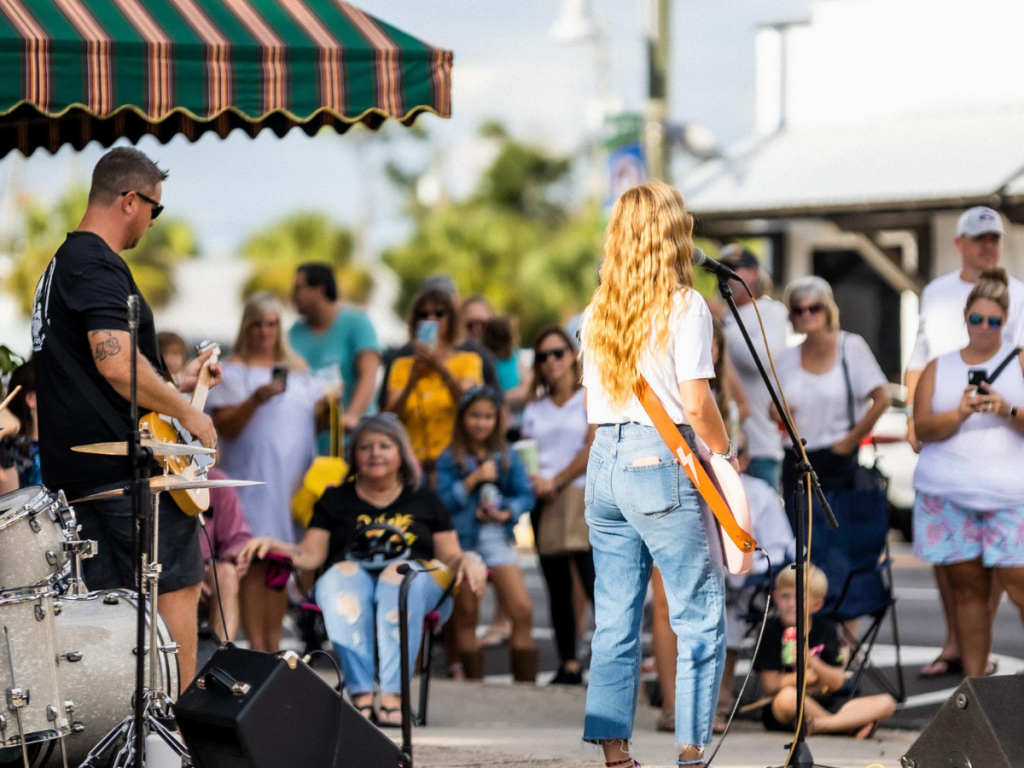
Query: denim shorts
[(946, 533), (494, 547)]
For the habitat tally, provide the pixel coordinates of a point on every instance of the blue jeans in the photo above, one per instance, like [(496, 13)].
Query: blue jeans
[(642, 506), (767, 469), (355, 602)]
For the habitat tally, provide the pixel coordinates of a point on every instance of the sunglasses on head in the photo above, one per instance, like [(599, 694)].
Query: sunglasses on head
[(558, 354), (155, 211), (431, 314), (994, 321), (811, 309)]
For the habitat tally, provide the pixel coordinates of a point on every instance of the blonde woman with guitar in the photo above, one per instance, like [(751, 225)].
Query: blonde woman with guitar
[(646, 322), (266, 415)]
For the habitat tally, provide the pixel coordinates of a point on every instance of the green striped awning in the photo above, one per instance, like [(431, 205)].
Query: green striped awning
[(75, 71)]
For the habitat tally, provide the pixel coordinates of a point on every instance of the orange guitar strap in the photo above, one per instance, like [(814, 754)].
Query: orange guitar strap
[(694, 469)]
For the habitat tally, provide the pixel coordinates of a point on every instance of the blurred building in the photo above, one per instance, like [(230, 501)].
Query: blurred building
[(878, 121)]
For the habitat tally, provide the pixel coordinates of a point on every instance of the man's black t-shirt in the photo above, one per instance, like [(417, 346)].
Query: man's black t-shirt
[(419, 513), (823, 639), (85, 288)]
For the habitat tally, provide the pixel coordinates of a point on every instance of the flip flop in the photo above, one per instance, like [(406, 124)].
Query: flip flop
[(941, 667), (867, 731), (384, 719)]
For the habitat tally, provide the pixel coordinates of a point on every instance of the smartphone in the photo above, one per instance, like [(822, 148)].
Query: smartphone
[(280, 373), (426, 332), (976, 376)]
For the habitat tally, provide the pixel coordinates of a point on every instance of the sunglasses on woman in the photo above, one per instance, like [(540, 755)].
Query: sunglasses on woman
[(994, 321), (431, 314), (558, 354), (811, 309)]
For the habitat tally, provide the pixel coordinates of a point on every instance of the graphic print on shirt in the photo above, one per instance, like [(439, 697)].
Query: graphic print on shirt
[(375, 542), (40, 306)]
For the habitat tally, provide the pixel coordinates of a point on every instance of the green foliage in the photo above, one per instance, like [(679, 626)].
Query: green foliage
[(511, 241), (281, 247), (44, 228), (9, 360)]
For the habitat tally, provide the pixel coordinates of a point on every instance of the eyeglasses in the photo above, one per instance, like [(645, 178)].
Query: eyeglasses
[(811, 309), (432, 314), (558, 354), (994, 321), (155, 211)]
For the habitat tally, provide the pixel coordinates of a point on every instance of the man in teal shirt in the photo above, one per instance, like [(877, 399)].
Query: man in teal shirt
[(338, 342)]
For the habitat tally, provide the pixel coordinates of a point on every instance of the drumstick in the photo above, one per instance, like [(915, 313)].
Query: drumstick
[(10, 397)]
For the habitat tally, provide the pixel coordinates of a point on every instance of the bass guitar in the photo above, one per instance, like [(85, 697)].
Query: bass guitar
[(169, 430)]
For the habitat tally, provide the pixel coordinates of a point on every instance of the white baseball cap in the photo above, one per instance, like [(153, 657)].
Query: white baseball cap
[(979, 220)]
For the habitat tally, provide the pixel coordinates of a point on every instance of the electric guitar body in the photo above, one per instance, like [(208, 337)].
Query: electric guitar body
[(169, 430)]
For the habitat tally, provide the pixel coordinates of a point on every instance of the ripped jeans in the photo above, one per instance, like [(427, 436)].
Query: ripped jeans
[(641, 506), (358, 605)]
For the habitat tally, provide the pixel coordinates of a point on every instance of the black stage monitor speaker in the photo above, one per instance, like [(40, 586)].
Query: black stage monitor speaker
[(978, 727), (248, 709)]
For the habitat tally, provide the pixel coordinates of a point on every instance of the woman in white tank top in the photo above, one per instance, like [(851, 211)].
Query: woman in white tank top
[(969, 511)]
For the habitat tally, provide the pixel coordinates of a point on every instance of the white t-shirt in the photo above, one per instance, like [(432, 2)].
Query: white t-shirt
[(941, 328), (560, 432), (819, 401), (763, 438), (686, 357)]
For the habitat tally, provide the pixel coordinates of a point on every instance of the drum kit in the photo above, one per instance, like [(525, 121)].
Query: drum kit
[(68, 655)]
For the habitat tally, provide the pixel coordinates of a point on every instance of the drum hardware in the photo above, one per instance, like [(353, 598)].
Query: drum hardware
[(77, 551), (17, 699), (162, 483), (34, 526), (158, 447)]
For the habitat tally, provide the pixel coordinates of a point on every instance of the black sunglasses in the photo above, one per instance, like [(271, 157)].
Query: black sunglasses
[(558, 354), (431, 314), (813, 309), (157, 208), (994, 321)]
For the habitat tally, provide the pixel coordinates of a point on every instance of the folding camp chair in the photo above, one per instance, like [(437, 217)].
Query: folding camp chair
[(855, 558)]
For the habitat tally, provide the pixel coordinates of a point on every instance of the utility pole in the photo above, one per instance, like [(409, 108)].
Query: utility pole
[(655, 133)]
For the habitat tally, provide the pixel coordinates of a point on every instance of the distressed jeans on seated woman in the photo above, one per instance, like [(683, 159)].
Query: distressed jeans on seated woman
[(641, 506), (360, 607)]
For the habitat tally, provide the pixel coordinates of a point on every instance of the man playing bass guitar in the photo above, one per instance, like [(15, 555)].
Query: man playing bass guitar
[(81, 344)]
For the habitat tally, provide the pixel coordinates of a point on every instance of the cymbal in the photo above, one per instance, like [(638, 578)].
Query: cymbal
[(158, 447), (170, 483)]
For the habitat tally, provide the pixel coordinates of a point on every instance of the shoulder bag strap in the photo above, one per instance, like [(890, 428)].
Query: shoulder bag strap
[(849, 386), (694, 469), (1006, 361)]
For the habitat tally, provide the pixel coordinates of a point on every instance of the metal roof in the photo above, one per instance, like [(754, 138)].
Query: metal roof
[(925, 160)]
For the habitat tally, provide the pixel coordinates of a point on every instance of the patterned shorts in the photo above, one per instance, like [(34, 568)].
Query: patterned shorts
[(946, 533)]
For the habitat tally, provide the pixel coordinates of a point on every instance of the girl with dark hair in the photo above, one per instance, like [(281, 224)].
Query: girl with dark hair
[(424, 388), (379, 518), (556, 420), (24, 447), (486, 488)]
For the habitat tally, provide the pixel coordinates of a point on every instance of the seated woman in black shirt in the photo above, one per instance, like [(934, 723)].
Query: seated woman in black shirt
[(362, 530)]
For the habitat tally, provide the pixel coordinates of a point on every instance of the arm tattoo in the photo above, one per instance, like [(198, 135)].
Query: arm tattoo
[(108, 348)]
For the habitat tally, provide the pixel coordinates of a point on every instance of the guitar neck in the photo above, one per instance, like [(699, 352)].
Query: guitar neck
[(203, 384)]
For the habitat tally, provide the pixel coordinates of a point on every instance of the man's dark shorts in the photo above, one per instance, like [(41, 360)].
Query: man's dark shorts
[(110, 523)]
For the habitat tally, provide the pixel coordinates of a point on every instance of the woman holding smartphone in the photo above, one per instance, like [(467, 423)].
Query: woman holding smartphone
[(265, 414), (646, 319), (969, 511), (424, 388)]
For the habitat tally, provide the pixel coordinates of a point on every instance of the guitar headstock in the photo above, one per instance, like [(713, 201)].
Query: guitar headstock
[(203, 346)]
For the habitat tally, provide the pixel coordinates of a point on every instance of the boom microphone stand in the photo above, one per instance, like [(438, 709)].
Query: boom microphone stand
[(802, 757)]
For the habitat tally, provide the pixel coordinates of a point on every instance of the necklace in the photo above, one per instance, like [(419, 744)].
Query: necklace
[(379, 500)]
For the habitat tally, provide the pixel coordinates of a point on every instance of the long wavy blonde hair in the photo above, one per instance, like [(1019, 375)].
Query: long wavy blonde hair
[(647, 258), (256, 307)]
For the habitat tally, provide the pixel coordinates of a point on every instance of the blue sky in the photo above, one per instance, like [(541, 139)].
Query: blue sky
[(506, 67)]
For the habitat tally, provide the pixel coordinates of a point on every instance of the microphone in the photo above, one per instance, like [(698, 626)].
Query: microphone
[(701, 259)]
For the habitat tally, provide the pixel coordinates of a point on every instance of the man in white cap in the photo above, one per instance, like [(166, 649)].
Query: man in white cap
[(942, 329)]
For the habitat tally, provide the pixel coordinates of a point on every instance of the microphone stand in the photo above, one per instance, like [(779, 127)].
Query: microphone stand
[(802, 757)]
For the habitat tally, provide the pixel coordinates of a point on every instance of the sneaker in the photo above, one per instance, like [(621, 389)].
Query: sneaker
[(564, 677)]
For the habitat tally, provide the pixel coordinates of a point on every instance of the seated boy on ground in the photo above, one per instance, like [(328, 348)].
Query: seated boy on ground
[(825, 710)]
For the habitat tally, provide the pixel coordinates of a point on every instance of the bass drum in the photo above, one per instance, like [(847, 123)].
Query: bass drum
[(96, 643)]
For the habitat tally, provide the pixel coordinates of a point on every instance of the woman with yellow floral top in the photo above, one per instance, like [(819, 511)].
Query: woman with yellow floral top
[(424, 388)]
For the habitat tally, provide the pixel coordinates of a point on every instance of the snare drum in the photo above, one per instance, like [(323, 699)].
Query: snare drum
[(96, 643), (33, 524), (28, 647)]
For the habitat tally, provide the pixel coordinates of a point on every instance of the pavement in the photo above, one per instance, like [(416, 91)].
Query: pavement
[(497, 723)]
